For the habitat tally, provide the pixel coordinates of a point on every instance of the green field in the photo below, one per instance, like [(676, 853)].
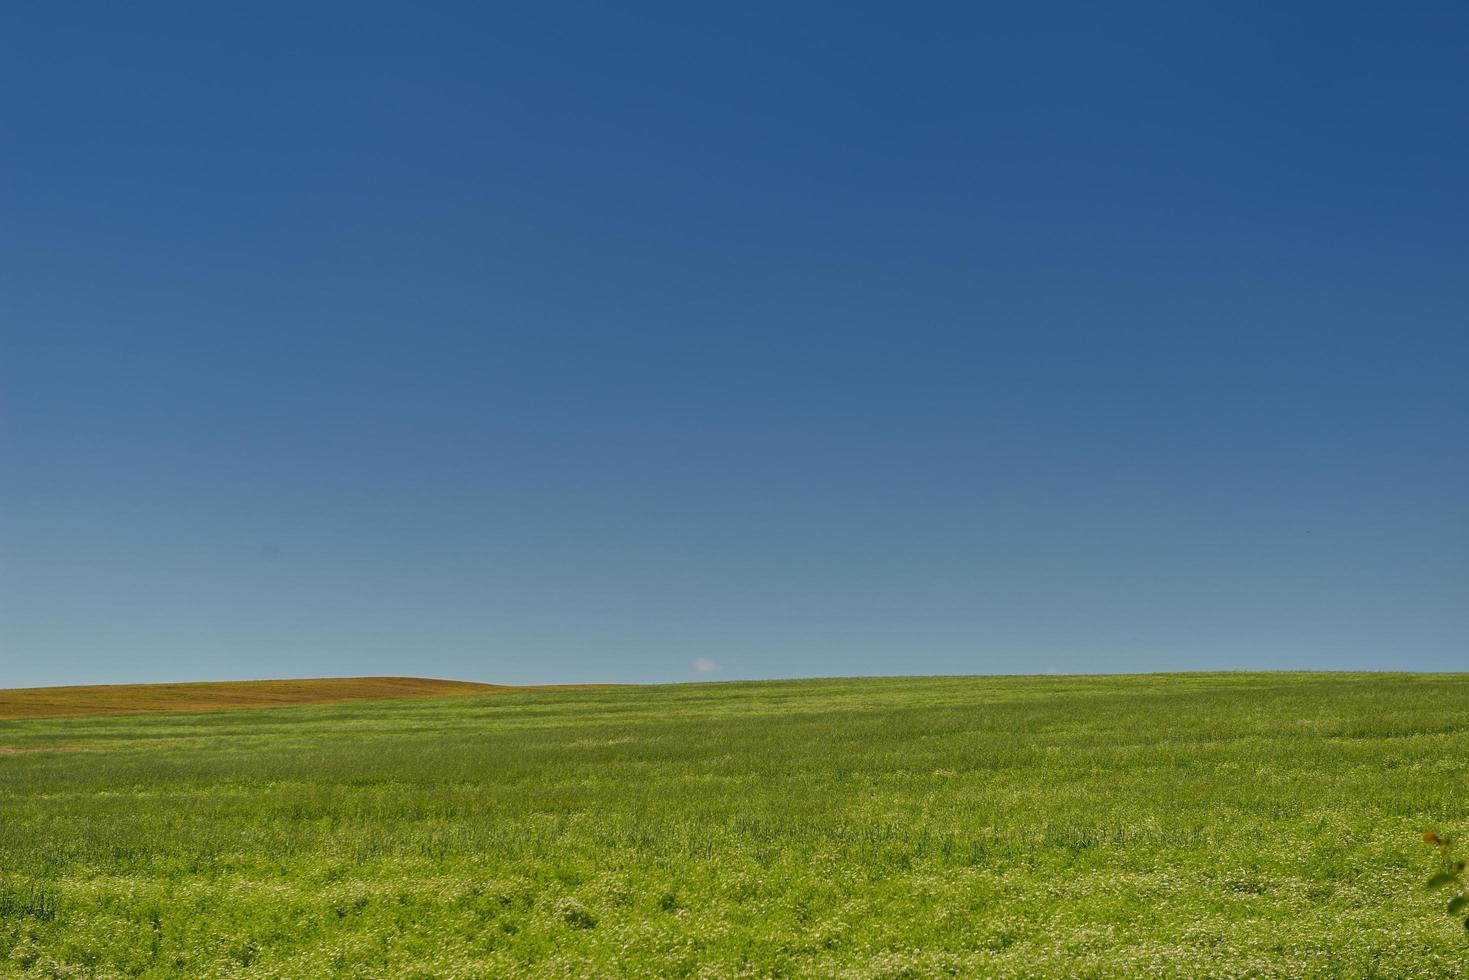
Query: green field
[(1190, 825)]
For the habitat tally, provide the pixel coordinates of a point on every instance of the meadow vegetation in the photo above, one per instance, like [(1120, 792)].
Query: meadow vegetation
[(1170, 825)]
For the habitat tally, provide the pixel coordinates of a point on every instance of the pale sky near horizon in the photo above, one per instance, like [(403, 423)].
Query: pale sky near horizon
[(558, 342)]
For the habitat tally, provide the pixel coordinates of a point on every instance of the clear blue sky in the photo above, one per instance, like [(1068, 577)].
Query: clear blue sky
[(560, 342)]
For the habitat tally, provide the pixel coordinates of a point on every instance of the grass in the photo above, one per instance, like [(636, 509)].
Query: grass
[(114, 699), (1170, 825)]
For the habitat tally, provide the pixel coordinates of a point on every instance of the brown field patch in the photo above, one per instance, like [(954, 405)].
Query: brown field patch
[(121, 699)]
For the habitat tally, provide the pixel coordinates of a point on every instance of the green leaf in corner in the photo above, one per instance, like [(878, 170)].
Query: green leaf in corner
[(1441, 879), (1455, 904)]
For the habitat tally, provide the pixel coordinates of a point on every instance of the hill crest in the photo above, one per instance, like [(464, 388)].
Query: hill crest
[(120, 699)]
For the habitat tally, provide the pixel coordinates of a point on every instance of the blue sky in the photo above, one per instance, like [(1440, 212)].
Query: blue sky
[(558, 342)]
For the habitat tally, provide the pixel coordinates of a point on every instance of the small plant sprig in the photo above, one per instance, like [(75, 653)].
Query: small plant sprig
[(1450, 875)]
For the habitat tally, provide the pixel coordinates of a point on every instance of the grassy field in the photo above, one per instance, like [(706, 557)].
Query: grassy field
[(1176, 825)]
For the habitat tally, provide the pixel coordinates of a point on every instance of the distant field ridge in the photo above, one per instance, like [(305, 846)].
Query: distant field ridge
[(118, 699)]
